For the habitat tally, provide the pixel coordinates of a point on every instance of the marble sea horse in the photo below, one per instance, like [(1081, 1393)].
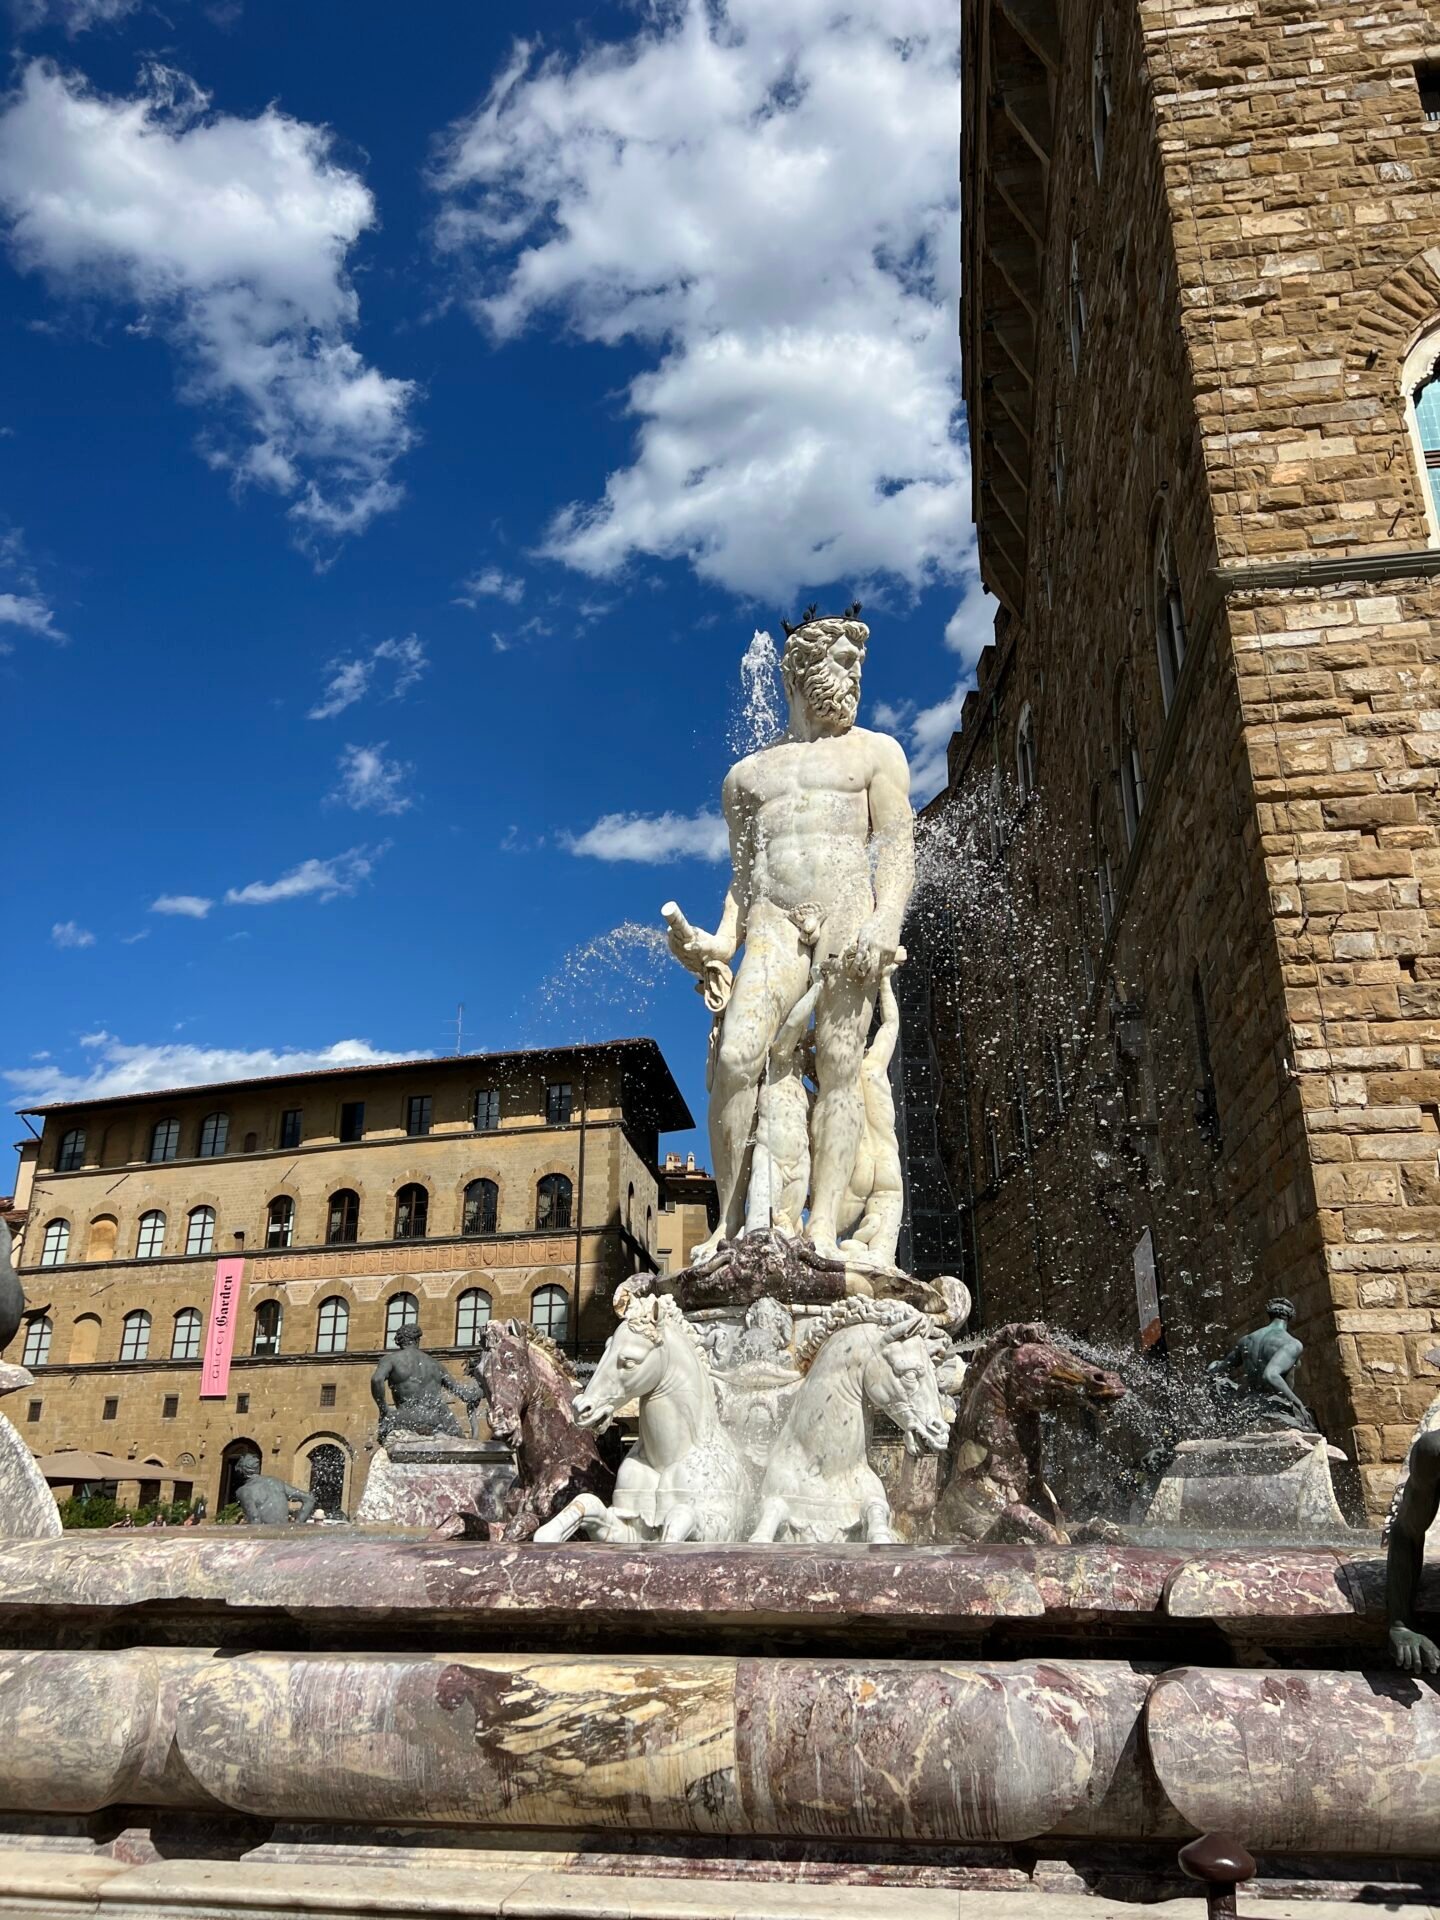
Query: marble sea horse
[(860, 1355), (685, 1478)]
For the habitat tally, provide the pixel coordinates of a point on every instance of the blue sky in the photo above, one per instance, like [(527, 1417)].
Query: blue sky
[(407, 419)]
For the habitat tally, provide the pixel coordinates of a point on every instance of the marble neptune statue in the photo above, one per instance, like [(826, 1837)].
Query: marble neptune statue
[(822, 849)]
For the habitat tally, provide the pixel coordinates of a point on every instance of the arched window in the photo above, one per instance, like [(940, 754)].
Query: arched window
[(84, 1339), (1421, 378), (649, 1227), (200, 1230), (135, 1335), (552, 1202), (327, 1477), (1099, 97), (280, 1221), (550, 1313), (1168, 607), (165, 1140), (56, 1244), (332, 1326), (472, 1310), (150, 1240), (1132, 779), (38, 1333), (252, 1141), (269, 1317), (100, 1240), (185, 1340), (401, 1310), (1100, 853), (482, 1207), (343, 1222), (412, 1212), (214, 1135), (1075, 307), (72, 1151), (630, 1210), (1025, 752)]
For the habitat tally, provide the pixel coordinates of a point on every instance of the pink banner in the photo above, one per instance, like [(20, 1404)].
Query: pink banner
[(220, 1333)]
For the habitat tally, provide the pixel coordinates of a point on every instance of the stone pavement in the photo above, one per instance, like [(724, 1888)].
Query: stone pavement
[(40, 1884)]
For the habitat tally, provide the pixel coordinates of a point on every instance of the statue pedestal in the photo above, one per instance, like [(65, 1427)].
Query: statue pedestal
[(1266, 1483), (424, 1482)]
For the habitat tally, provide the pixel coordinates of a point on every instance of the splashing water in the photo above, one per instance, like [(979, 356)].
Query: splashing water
[(757, 718), (616, 972)]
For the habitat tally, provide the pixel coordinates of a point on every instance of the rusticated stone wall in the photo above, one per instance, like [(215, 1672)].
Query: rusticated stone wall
[(1261, 283)]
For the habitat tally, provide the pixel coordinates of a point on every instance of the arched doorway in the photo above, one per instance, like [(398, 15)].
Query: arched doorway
[(233, 1452), (327, 1478)]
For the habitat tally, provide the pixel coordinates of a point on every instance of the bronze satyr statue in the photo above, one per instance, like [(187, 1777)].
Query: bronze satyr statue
[(1267, 1360), (266, 1501), (1414, 1514), (418, 1385)]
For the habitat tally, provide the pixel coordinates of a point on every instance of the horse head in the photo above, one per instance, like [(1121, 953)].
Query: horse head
[(503, 1368), (633, 1364), (1046, 1376), (900, 1380)]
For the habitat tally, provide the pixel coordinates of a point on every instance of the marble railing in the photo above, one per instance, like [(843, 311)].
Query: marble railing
[(370, 1721), (974, 1752)]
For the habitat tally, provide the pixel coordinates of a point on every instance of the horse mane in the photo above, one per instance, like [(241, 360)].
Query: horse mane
[(857, 1310), (651, 1313), (533, 1337), (1004, 1340)]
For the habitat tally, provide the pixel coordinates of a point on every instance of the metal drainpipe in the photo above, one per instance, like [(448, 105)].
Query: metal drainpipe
[(580, 1206)]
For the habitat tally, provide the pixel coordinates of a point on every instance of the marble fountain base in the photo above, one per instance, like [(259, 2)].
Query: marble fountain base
[(326, 1722)]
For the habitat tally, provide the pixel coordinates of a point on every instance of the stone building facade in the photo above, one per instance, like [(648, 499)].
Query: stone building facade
[(689, 1211), (448, 1191), (1180, 917)]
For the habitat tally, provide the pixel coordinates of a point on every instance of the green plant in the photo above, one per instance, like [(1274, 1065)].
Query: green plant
[(97, 1511)]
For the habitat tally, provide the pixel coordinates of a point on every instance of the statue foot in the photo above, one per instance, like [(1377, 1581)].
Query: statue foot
[(707, 1249)]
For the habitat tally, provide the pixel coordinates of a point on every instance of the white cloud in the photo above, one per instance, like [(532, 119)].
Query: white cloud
[(189, 906), (68, 933), (370, 783), (491, 584), (74, 16), (231, 237), (971, 627), (323, 879), (654, 839), (30, 612), (120, 1069), (764, 199), (927, 736), (351, 679)]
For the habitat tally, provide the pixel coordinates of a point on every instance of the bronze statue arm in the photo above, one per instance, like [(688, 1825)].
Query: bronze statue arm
[(308, 1503), (1274, 1379), (1419, 1503)]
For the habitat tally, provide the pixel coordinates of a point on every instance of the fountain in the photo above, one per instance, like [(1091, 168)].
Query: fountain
[(870, 1601)]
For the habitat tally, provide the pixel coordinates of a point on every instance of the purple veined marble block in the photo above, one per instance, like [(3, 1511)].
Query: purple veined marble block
[(892, 1750), (1326, 1762)]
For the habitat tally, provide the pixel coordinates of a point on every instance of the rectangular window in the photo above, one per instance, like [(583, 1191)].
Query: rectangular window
[(1427, 79), (352, 1120), (558, 1103), (327, 1394), (418, 1109), (32, 1411), (165, 1140), (242, 1403), (487, 1110), (170, 1407), (291, 1127), (110, 1410)]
